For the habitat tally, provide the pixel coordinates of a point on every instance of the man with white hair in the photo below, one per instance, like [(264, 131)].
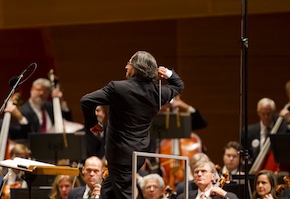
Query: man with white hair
[(258, 132), (36, 115)]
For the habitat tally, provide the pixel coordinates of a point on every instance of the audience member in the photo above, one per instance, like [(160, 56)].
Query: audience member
[(92, 176), (36, 115), (204, 176), (62, 185), (265, 185), (152, 186), (258, 132), (133, 103)]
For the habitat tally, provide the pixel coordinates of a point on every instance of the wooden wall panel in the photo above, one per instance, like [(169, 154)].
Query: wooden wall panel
[(204, 51), (88, 57), (23, 14), (209, 50)]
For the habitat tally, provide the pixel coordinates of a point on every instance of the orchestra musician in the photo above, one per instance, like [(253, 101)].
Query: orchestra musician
[(62, 185), (152, 186), (36, 115), (232, 159), (204, 176), (192, 162), (258, 132), (92, 176), (15, 179), (265, 185), (285, 111)]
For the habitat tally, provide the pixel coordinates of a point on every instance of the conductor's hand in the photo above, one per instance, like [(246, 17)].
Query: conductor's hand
[(164, 73)]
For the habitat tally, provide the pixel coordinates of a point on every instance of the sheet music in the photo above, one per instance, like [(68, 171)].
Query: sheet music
[(22, 163)]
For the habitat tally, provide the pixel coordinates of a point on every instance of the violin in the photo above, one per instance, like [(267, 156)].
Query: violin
[(169, 193), (281, 187), (221, 182)]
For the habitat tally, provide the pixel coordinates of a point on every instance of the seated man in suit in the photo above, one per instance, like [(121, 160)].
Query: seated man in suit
[(204, 176), (193, 161), (231, 158), (92, 176)]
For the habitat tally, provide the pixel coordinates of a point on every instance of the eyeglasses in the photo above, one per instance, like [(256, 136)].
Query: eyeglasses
[(151, 186)]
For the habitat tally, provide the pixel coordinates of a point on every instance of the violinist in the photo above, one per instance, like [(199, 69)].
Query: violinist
[(204, 176), (232, 160), (265, 185), (192, 162), (62, 185), (15, 179)]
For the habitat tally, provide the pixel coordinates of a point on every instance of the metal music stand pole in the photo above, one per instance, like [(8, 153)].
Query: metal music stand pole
[(244, 81)]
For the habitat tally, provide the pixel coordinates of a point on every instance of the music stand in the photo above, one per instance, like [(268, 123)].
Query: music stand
[(281, 147), (49, 147), (159, 130)]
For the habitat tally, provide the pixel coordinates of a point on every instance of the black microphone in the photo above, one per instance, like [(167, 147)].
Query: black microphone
[(13, 80)]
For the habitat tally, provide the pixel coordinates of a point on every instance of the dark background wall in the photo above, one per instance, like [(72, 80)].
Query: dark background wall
[(205, 51)]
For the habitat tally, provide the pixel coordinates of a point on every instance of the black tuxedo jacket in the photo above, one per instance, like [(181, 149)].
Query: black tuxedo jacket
[(254, 136), (133, 103), (21, 131)]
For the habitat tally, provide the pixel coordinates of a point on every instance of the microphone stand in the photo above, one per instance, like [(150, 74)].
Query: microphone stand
[(11, 92), (19, 82), (244, 79)]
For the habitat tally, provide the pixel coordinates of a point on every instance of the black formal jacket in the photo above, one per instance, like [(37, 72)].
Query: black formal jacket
[(133, 103), (254, 134), (21, 131)]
